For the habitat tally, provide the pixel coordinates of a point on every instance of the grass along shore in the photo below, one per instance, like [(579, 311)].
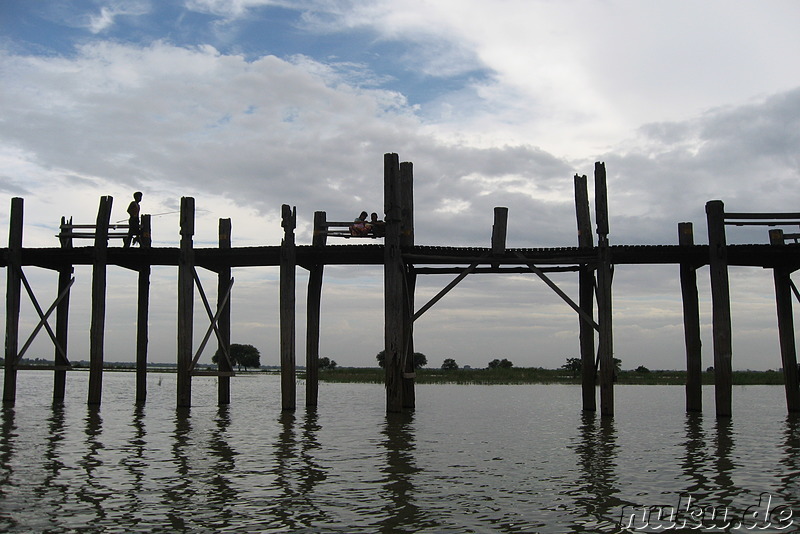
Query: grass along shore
[(535, 375)]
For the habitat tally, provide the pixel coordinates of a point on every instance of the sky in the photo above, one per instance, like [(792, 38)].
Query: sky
[(246, 105)]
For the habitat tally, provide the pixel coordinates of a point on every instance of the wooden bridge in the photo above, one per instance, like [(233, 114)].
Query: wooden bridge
[(403, 261)]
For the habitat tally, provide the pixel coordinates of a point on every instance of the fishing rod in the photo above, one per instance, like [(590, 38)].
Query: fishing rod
[(164, 213)]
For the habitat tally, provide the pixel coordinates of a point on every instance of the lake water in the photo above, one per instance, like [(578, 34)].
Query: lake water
[(470, 459)]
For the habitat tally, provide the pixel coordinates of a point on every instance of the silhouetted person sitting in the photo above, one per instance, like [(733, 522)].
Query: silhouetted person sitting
[(376, 226), (359, 226), (134, 228)]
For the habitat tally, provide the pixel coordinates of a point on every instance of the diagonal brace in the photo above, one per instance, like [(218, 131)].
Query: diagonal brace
[(559, 292), (42, 316), (213, 317), (794, 290), (447, 288)]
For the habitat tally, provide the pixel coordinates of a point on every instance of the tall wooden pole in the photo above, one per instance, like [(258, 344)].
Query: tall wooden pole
[(394, 290), (721, 306), (406, 195), (691, 324), (224, 320), (142, 314), (287, 309), (586, 297), (13, 287), (185, 303), (62, 321), (313, 303), (97, 328), (604, 274), (783, 301)]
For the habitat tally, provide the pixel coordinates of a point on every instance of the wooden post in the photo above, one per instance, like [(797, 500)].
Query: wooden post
[(408, 376), (721, 306), (185, 303), (313, 302), (287, 308), (783, 300), (142, 313), (13, 287), (224, 319), (394, 297), (499, 232), (604, 274), (586, 297), (691, 324), (62, 321), (97, 328)]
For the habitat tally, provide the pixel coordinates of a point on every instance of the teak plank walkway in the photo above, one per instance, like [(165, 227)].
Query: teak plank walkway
[(403, 261)]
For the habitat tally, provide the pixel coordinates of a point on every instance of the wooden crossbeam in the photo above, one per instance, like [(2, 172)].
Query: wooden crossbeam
[(42, 316), (446, 289), (558, 291), (213, 317)]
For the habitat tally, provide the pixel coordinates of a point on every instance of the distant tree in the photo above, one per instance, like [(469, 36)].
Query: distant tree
[(504, 363), (241, 356), (574, 366), (710, 369), (449, 364), (326, 363), (642, 370), (420, 360)]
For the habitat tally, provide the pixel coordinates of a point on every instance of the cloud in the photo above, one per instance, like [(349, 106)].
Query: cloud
[(107, 17)]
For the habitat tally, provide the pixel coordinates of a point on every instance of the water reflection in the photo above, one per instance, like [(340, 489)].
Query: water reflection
[(297, 474), (92, 492), (178, 496), (695, 456), (6, 470), (597, 485), (402, 512), (789, 476)]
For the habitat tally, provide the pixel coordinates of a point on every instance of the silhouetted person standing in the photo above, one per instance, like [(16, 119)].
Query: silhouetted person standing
[(134, 228)]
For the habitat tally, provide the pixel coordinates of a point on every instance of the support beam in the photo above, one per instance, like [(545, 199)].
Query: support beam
[(287, 308), (142, 313), (691, 324), (604, 275), (409, 281), (185, 303), (783, 300), (224, 319), (394, 286), (586, 285), (313, 303), (499, 231), (13, 298), (97, 328), (62, 323), (721, 306)]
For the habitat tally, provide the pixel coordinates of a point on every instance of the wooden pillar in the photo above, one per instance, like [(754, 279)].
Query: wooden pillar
[(783, 300), (13, 287), (499, 231), (185, 303), (409, 281), (98, 321), (224, 320), (62, 319), (394, 290), (313, 303), (691, 324), (604, 274), (721, 306), (287, 308), (142, 313), (586, 297)]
